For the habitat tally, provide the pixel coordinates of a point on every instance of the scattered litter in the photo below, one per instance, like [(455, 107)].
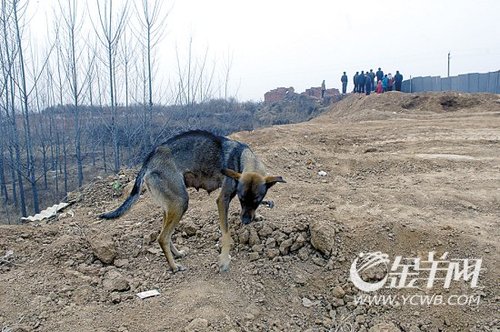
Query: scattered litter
[(69, 213), (47, 213), (5, 258), (322, 173), (149, 293), (8, 253)]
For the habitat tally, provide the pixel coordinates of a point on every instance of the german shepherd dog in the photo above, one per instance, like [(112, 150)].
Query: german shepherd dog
[(200, 159)]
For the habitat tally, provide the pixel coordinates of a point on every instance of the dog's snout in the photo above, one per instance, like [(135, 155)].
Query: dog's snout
[(247, 216), (246, 220)]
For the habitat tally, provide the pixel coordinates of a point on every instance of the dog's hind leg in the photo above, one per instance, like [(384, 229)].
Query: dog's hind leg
[(177, 253), (170, 219), (170, 192)]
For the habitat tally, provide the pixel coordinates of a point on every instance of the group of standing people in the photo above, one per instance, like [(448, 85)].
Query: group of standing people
[(373, 81)]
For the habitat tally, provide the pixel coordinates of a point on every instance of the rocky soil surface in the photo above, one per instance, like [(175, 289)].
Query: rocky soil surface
[(403, 174)]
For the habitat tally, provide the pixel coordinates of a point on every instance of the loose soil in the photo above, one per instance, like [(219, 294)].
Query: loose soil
[(406, 174)]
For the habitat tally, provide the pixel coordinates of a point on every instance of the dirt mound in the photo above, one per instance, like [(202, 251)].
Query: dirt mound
[(292, 109), (396, 173), (357, 107)]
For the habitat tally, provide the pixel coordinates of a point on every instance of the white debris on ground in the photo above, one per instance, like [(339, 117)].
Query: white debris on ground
[(47, 213), (149, 293)]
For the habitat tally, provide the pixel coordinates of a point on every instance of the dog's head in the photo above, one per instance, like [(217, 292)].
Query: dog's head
[(251, 190)]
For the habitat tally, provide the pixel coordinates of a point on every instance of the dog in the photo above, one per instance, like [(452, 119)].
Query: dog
[(200, 159)]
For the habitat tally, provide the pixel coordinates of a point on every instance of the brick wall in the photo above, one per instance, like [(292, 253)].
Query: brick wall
[(277, 94), (281, 93), (316, 92)]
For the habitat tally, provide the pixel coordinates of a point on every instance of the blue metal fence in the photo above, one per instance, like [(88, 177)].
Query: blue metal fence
[(474, 82)]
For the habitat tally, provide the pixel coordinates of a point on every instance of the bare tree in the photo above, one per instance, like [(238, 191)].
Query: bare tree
[(61, 133), (3, 182), (152, 20), (109, 30), (53, 131), (126, 56), (4, 128), (195, 80), (9, 52), (23, 91), (93, 104), (227, 72), (71, 29)]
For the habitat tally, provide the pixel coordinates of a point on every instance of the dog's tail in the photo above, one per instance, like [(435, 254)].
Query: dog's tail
[(131, 199)]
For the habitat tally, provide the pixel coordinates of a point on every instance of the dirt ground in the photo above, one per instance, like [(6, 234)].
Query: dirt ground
[(406, 174)]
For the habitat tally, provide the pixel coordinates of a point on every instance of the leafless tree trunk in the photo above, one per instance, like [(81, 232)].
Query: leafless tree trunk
[(25, 108), (71, 29), (152, 20), (60, 134), (227, 73), (40, 135), (127, 57), (3, 143), (109, 32), (8, 53), (3, 183), (53, 130)]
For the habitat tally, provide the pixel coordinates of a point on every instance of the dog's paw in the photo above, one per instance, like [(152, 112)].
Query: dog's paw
[(180, 253), (224, 263), (224, 267), (178, 268)]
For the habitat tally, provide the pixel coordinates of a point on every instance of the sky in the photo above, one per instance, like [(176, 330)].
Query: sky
[(274, 43)]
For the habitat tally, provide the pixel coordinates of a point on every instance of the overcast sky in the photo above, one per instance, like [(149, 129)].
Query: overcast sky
[(299, 43)]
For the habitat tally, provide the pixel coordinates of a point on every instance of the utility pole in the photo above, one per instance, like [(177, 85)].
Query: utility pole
[(449, 57)]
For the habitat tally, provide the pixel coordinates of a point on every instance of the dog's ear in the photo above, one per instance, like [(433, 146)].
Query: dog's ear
[(272, 180), (231, 173)]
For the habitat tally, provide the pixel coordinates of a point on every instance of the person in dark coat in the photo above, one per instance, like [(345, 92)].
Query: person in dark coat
[(368, 83), (372, 77), (361, 82), (385, 83), (355, 80), (398, 79), (380, 75), (323, 89), (343, 79)]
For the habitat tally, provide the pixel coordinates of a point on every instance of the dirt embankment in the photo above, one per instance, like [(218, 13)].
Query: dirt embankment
[(403, 174)]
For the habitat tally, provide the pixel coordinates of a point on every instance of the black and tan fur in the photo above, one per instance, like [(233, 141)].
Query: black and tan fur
[(200, 159)]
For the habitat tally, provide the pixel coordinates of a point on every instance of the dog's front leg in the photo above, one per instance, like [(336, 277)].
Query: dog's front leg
[(223, 206)]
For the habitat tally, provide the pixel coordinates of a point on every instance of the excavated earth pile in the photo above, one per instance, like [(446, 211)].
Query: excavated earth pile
[(400, 174)]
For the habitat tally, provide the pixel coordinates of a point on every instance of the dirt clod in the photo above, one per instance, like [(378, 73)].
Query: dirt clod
[(114, 281), (103, 248), (323, 236)]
